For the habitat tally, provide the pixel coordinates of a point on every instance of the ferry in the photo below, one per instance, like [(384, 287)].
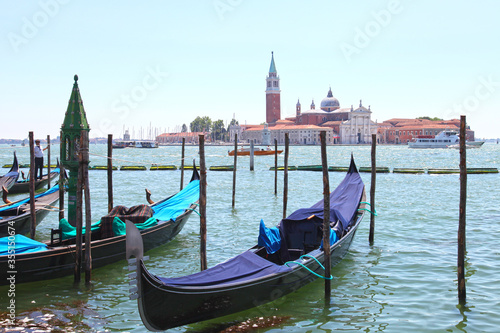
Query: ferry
[(444, 139), (135, 144)]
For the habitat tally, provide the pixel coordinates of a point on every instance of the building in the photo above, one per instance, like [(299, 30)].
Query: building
[(273, 94), (402, 130)]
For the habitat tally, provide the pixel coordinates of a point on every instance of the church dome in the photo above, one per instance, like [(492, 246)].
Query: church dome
[(330, 103)]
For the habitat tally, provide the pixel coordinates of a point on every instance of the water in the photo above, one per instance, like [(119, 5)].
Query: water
[(405, 282)]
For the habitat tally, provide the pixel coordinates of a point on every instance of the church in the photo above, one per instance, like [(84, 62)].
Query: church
[(342, 125)]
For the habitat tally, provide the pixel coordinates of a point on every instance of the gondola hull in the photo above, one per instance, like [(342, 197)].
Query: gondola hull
[(59, 261), (21, 224), (23, 186), (163, 307)]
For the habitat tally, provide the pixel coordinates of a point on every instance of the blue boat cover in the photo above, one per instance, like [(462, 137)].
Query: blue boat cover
[(21, 202), (244, 267), (171, 208), (269, 238), (344, 202), (333, 238), (22, 243)]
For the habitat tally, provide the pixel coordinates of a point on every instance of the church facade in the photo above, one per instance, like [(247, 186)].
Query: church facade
[(343, 125)]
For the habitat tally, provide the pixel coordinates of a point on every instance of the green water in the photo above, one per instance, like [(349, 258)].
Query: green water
[(405, 282)]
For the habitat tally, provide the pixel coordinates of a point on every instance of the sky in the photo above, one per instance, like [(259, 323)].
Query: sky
[(161, 64)]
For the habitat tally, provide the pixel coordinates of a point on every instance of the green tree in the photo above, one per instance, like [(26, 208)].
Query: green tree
[(218, 129), (201, 124), (184, 128), (429, 118)]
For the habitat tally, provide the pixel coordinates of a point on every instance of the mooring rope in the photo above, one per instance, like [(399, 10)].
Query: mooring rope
[(307, 268)]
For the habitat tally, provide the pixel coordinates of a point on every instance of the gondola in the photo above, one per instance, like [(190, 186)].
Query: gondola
[(16, 216), (56, 258), (23, 186), (10, 178), (285, 258)]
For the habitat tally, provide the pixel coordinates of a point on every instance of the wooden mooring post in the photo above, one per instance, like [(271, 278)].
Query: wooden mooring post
[(275, 166), (32, 186), (252, 151), (326, 217), (182, 161), (234, 170), (372, 188), (79, 218), (462, 214), (203, 205), (285, 176), (110, 172), (48, 162), (62, 183), (88, 216)]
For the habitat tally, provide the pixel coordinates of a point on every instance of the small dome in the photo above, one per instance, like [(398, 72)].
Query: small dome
[(330, 103)]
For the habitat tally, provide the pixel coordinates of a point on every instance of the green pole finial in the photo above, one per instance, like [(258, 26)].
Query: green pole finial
[(76, 77)]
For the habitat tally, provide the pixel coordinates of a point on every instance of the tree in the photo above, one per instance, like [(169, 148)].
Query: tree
[(201, 124), (218, 129), (184, 128), (429, 118)]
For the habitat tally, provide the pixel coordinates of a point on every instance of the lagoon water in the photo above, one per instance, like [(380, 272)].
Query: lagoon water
[(405, 282)]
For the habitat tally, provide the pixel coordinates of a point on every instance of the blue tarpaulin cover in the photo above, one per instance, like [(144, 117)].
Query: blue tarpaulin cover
[(269, 238), (342, 206), (176, 205), (23, 244), (19, 203), (241, 268)]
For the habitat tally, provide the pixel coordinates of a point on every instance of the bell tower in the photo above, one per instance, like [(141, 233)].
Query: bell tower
[(273, 93)]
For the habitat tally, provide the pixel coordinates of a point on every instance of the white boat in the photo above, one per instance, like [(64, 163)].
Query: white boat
[(442, 140)]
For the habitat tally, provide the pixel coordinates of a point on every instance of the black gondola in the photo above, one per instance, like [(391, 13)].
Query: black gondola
[(16, 216), (57, 257), (256, 276), (8, 180), (23, 186)]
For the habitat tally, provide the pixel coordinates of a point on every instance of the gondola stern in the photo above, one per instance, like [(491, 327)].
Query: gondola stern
[(196, 175), (352, 165)]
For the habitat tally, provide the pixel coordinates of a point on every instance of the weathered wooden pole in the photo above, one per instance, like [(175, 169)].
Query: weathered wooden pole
[(79, 217), (110, 172), (62, 183), (285, 176), (48, 161), (462, 215), (252, 151), (326, 217), (182, 162), (235, 164), (88, 215), (203, 205), (275, 166), (372, 188), (32, 186)]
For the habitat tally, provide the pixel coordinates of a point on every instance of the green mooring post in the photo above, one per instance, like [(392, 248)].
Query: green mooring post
[(75, 120)]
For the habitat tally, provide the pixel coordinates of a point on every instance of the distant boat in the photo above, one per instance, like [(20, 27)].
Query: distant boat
[(135, 144), (442, 140), (246, 152)]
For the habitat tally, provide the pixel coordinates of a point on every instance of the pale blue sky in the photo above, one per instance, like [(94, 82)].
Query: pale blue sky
[(166, 62)]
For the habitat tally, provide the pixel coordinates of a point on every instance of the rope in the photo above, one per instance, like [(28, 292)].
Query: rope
[(374, 213), (194, 211), (307, 268)]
